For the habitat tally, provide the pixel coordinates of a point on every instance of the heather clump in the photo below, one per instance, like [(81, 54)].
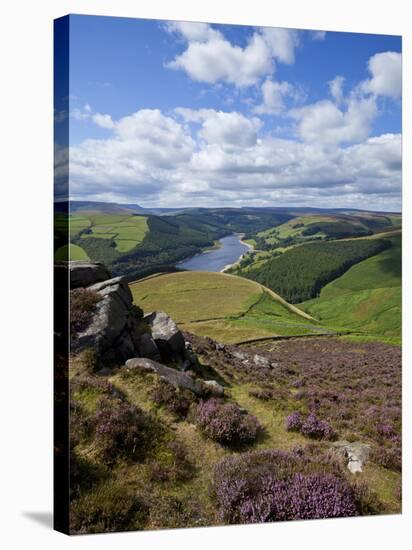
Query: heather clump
[(294, 422), (121, 430), (274, 485), (175, 400), (317, 429), (389, 457), (226, 423), (82, 306), (311, 426)]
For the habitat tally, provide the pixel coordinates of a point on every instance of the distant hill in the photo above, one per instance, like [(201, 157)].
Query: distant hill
[(77, 207)]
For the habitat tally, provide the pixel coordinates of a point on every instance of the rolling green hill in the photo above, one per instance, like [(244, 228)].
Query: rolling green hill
[(227, 308), (300, 272), (367, 298), (70, 252), (328, 226)]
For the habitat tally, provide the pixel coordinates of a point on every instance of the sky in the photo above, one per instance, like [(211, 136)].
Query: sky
[(169, 114)]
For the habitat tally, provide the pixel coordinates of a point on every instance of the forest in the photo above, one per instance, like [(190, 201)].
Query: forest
[(300, 273)]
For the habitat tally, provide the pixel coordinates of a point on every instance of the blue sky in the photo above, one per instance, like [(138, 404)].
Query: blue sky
[(171, 114)]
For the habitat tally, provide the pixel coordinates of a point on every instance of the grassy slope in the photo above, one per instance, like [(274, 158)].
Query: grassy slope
[(71, 251), (225, 307), (367, 298)]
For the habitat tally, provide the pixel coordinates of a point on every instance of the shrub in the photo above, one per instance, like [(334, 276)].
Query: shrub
[(82, 305), (367, 502), (310, 426), (317, 429), (121, 430), (294, 422), (264, 486), (386, 431), (109, 507), (226, 422), (388, 457), (175, 400)]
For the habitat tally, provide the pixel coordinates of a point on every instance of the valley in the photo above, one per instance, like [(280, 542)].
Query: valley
[(342, 268)]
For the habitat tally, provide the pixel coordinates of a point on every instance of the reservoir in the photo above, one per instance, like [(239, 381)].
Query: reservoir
[(230, 250)]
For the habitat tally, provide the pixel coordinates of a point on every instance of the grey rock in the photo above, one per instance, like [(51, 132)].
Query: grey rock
[(239, 355), (110, 332), (214, 388), (84, 273), (167, 336), (356, 452), (261, 361), (220, 347), (172, 376), (117, 285), (147, 346)]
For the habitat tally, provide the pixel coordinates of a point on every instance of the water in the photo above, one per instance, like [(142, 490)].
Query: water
[(230, 251)]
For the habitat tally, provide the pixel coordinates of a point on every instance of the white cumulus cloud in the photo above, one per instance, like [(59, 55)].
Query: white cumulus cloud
[(210, 57), (336, 88), (325, 122), (214, 158), (273, 94), (386, 75)]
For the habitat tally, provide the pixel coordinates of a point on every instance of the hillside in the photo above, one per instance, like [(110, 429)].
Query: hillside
[(169, 429), (367, 298), (300, 272), (137, 242), (227, 308)]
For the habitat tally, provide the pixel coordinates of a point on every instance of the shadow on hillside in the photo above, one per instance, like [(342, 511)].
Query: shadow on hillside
[(392, 265)]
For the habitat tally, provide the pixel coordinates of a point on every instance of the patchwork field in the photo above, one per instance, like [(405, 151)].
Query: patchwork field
[(225, 307), (312, 227), (125, 231)]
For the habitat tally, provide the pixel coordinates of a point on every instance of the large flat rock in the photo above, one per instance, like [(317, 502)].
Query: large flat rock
[(176, 378)]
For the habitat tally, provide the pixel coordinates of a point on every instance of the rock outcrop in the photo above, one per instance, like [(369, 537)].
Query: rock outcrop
[(167, 336), (357, 454), (83, 274), (177, 378), (170, 341), (115, 332)]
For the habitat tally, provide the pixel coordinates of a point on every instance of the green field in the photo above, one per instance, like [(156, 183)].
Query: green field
[(126, 231), (227, 308), (71, 252), (367, 298), (309, 227)]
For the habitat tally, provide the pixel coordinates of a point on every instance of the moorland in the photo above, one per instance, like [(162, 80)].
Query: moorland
[(301, 341)]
